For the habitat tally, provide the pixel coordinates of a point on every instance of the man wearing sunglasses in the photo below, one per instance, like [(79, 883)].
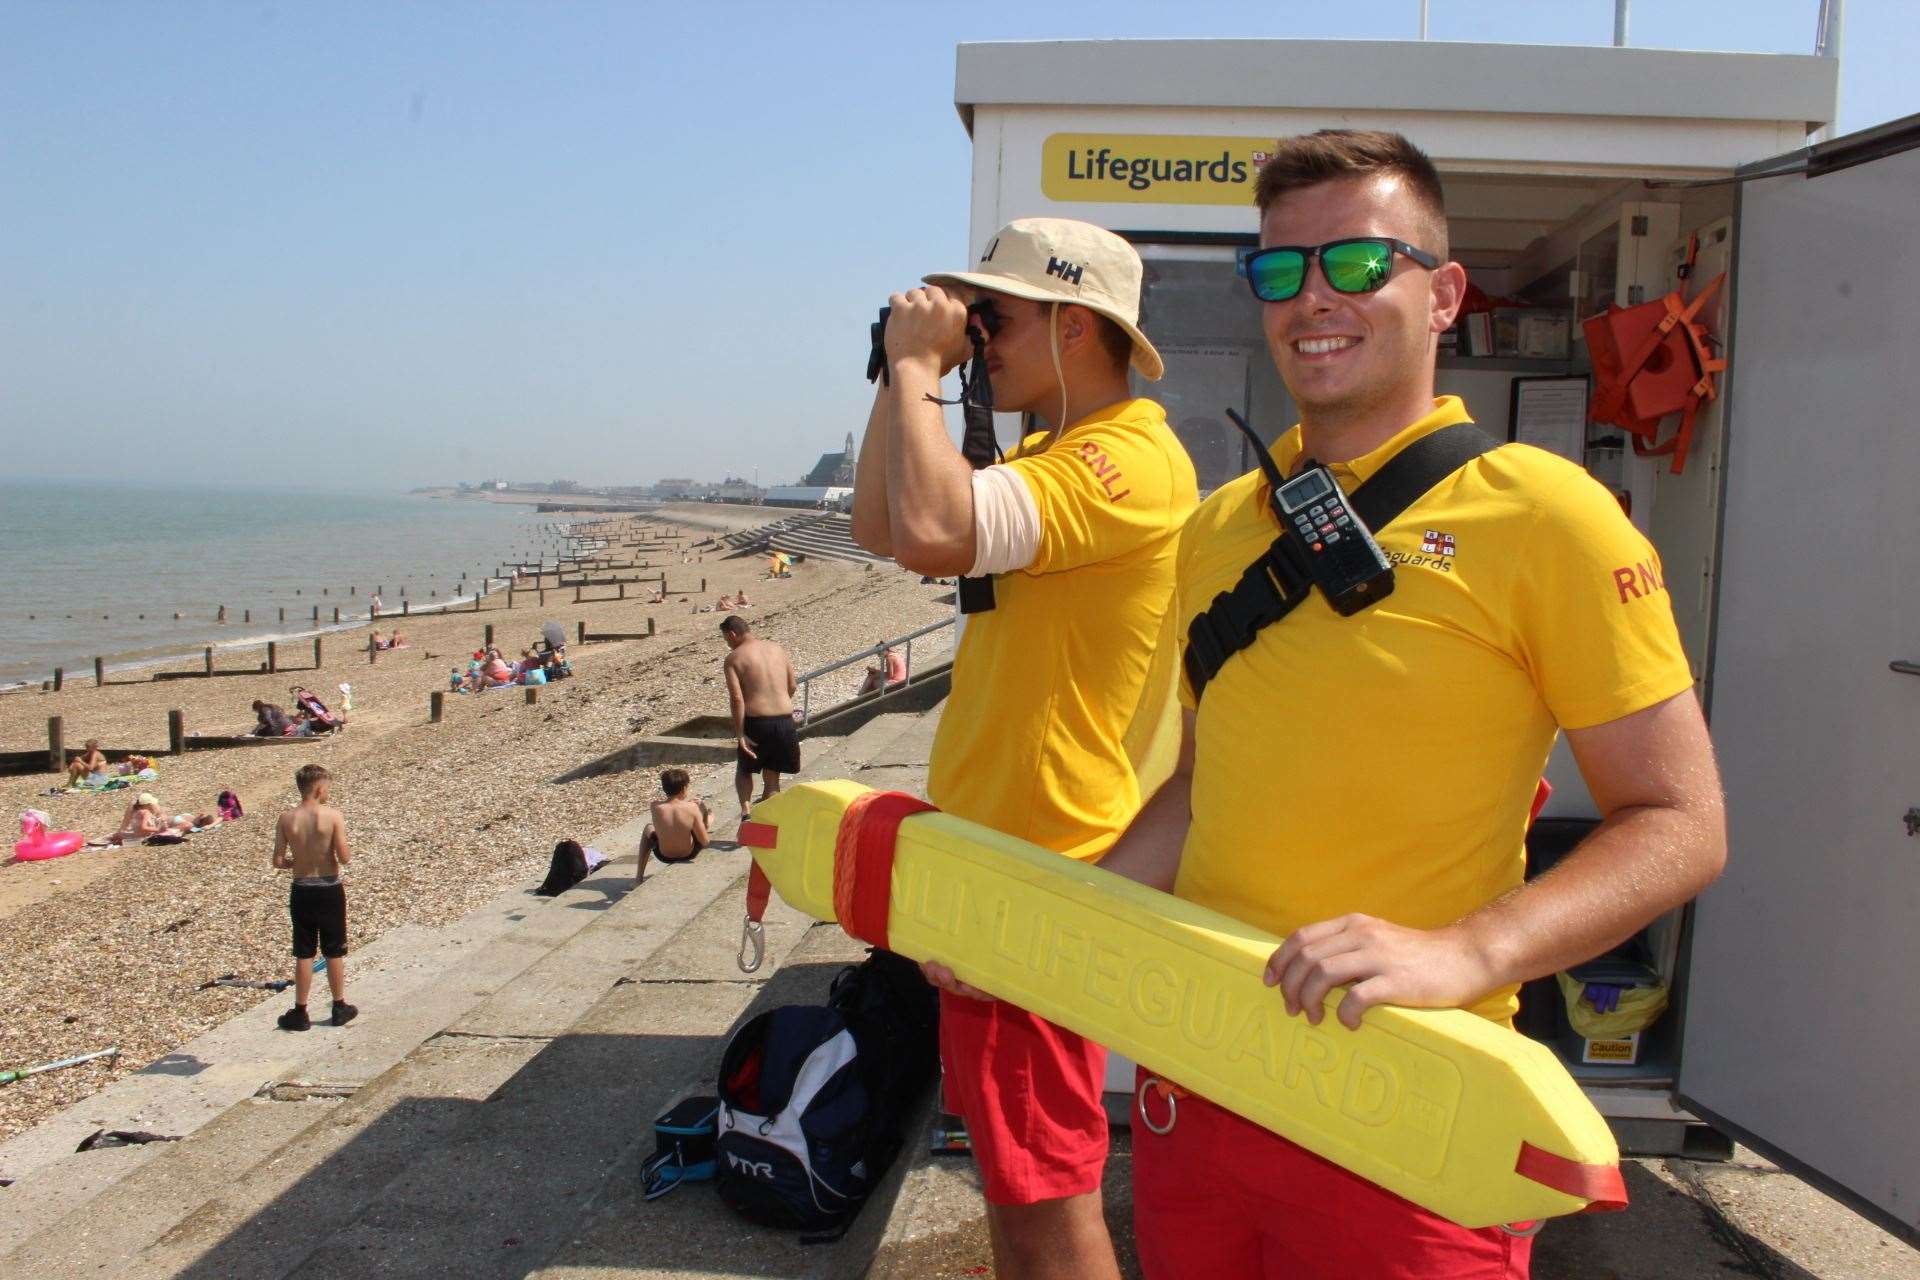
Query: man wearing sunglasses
[(1360, 786), (1078, 528)]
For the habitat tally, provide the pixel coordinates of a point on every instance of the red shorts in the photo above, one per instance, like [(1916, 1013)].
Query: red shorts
[(1030, 1094), (1220, 1196)]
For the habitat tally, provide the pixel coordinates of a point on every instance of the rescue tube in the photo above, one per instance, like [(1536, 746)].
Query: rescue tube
[(1463, 1117), (36, 843)]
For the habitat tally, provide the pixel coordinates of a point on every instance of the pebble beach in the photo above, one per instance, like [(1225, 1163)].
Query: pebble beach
[(110, 946)]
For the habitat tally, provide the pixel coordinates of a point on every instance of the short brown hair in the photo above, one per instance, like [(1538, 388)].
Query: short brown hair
[(310, 776), (673, 781), (1114, 340), (1309, 159), (734, 625)]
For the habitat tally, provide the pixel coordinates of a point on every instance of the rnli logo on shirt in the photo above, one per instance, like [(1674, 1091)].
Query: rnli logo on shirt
[(1435, 543), (1633, 581), (1104, 471)]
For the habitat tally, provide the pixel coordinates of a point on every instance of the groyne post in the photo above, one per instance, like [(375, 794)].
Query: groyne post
[(316, 613), (336, 613), (436, 706), (209, 659), (246, 615), (283, 613), (99, 672), (582, 631), (59, 678), (576, 595), (649, 624), (703, 586), (489, 635), (56, 744), (372, 652), (509, 595), (404, 606), (316, 653), (533, 694), (176, 733), (273, 658)]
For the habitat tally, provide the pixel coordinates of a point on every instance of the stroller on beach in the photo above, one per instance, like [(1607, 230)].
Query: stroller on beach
[(319, 718)]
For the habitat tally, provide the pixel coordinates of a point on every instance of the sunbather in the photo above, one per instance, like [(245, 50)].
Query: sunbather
[(86, 764), (141, 820)]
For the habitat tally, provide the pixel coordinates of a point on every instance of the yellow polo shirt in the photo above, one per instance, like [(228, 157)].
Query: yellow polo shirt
[(1047, 683), (1385, 763)]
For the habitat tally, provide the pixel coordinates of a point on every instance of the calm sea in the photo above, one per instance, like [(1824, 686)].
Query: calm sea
[(101, 569)]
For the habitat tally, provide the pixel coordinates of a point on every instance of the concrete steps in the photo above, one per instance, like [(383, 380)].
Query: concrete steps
[(829, 537), (491, 1109)]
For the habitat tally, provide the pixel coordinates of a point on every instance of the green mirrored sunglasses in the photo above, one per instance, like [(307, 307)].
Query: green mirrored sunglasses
[(1358, 265)]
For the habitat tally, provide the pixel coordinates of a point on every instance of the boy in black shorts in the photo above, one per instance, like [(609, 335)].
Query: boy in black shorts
[(310, 840)]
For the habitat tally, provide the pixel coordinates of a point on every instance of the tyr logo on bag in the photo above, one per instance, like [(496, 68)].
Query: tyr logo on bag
[(752, 1168)]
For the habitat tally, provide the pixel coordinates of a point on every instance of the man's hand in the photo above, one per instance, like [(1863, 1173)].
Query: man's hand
[(1378, 963), (927, 324), (942, 977), (747, 747)]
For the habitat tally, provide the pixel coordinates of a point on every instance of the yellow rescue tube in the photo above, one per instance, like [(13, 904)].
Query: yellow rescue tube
[(1468, 1119)]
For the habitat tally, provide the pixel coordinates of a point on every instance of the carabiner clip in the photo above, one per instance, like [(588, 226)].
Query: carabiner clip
[(753, 937)]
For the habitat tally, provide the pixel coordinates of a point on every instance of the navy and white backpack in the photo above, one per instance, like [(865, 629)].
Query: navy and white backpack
[(792, 1143), (813, 1100)]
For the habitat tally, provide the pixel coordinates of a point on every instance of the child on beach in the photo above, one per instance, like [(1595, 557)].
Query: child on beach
[(310, 840), (678, 831)]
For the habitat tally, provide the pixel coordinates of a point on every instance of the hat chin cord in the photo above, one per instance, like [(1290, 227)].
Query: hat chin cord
[(1059, 374)]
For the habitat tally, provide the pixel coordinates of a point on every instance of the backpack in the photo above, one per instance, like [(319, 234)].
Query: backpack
[(812, 1100), (567, 869)]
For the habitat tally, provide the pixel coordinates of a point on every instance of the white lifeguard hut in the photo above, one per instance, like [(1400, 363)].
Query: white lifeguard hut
[(1576, 178)]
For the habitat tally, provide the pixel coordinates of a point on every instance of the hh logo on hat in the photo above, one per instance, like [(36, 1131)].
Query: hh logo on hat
[(1068, 271)]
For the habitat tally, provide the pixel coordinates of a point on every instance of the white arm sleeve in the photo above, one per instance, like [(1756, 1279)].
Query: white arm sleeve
[(1006, 522)]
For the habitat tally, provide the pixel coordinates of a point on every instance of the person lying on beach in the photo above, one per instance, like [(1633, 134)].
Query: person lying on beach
[(678, 831), (86, 764), (272, 722), (395, 641), (141, 820)]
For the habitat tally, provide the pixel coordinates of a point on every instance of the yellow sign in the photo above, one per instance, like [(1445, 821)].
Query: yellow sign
[(1126, 168)]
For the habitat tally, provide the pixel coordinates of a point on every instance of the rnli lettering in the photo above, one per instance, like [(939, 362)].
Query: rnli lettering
[(1104, 470), (1637, 580)]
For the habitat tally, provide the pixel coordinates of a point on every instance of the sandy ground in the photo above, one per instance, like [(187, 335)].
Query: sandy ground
[(110, 946)]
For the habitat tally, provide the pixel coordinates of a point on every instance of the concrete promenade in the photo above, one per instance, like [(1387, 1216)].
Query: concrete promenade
[(487, 1115)]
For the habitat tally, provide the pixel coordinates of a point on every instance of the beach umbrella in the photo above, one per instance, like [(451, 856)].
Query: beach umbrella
[(556, 634)]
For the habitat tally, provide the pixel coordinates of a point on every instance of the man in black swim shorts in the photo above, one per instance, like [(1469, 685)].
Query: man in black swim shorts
[(760, 685)]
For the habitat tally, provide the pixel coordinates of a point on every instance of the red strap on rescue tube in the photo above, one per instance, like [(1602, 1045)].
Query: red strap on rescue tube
[(1540, 794), (1600, 1185), (863, 861), (758, 835)]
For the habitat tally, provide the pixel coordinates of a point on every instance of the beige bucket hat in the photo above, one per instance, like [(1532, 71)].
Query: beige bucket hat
[(1063, 260)]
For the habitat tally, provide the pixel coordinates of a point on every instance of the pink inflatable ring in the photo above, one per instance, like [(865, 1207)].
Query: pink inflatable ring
[(36, 843)]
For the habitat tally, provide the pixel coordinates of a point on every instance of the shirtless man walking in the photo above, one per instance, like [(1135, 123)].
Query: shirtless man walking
[(310, 840), (760, 684)]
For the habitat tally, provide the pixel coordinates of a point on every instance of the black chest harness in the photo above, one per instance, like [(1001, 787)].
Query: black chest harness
[(1274, 585)]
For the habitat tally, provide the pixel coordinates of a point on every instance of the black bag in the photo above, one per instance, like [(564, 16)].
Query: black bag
[(812, 1100), (567, 869)]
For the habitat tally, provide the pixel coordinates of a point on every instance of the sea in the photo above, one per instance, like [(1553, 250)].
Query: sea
[(137, 573)]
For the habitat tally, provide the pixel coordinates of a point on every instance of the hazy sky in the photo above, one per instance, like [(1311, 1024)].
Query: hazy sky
[(377, 245)]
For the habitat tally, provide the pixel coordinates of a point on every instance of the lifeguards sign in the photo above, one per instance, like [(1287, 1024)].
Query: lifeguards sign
[(1126, 168)]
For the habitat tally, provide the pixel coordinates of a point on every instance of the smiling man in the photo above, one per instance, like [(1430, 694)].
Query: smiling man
[(1360, 786), (1078, 527)]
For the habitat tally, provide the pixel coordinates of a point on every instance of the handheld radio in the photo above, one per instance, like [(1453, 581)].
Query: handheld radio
[(1323, 534), (1346, 563)]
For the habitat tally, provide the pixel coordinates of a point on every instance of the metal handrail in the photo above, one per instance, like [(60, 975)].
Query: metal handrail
[(806, 688)]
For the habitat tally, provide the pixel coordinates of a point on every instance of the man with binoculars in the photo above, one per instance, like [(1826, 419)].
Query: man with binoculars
[(1076, 529)]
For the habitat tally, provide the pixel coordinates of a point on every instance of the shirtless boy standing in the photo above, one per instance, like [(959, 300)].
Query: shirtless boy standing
[(679, 827), (310, 840), (760, 685)]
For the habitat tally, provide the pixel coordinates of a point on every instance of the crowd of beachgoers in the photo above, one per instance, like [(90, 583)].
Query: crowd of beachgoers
[(114, 944)]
